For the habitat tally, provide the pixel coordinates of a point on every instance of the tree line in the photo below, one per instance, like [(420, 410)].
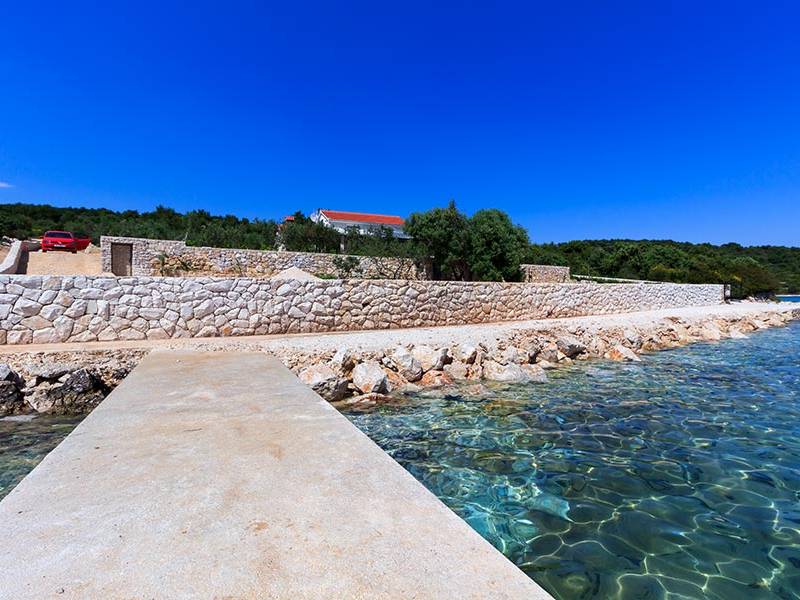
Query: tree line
[(486, 246)]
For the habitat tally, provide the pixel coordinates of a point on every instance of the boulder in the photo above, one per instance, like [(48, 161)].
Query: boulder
[(396, 381), (79, 394), (325, 382), (710, 332), (533, 349), (343, 361), (50, 371), (548, 352), (436, 379), (513, 373), (494, 371), (633, 337), (430, 358), (9, 375), (456, 369), (737, 334), (620, 352), (570, 346), (365, 400), (369, 378), (11, 402), (465, 353), (512, 355), (535, 373), (405, 364)]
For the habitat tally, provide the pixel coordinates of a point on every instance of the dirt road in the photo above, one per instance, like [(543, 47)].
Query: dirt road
[(63, 263)]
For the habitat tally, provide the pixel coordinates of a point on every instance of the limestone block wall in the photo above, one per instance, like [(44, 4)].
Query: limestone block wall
[(45, 309), (545, 274), (168, 257)]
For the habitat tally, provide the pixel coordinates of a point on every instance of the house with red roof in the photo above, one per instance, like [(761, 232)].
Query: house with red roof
[(341, 221)]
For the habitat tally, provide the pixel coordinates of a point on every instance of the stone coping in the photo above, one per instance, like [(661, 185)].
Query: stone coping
[(10, 263), (222, 476)]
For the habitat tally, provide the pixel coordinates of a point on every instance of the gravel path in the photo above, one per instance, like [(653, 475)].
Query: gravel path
[(63, 263), (439, 336)]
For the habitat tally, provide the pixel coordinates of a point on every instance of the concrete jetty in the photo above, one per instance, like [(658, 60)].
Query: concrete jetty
[(220, 475)]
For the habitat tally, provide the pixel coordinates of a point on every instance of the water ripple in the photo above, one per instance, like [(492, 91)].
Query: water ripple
[(677, 477)]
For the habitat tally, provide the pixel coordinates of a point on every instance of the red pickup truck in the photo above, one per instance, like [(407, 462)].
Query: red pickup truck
[(64, 240)]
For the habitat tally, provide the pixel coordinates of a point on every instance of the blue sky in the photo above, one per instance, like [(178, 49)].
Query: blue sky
[(580, 119)]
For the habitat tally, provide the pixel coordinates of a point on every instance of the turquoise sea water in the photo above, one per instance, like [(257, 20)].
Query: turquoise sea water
[(677, 477), (789, 298), (24, 442)]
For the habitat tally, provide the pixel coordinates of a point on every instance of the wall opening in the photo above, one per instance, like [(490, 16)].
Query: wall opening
[(122, 259)]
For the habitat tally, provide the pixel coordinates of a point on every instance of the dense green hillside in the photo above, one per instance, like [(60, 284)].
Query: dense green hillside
[(484, 246), (750, 269), (198, 227)]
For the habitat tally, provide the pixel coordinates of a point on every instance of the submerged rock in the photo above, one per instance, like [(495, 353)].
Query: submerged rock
[(535, 373), (513, 373), (620, 352)]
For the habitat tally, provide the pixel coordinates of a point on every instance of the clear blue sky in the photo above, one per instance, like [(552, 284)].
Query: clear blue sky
[(581, 119)]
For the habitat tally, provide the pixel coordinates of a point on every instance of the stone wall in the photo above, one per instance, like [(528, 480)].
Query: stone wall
[(168, 257), (44, 309), (10, 263), (545, 274)]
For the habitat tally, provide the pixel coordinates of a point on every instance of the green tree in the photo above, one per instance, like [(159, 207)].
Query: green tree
[(444, 235), (497, 246), (304, 235)]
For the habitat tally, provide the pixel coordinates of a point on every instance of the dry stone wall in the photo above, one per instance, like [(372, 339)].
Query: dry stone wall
[(46, 309), (545, 274), (167, 257)]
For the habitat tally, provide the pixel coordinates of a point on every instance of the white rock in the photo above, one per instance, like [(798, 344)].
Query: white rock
[(430, 358), (456, 369), (494, 371), (368, 377), (343, 361), (405, 363), (26, 308), (325, 382)]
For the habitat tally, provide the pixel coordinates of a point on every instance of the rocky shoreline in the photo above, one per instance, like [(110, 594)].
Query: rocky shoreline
[(75, 381)]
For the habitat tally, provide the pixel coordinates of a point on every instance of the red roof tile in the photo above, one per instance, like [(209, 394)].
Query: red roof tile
[(340, 215)]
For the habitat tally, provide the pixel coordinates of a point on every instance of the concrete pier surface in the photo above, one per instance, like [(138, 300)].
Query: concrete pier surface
[(220, 475)]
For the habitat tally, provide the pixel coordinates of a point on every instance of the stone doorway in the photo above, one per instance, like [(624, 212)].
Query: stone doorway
[(122, 259)]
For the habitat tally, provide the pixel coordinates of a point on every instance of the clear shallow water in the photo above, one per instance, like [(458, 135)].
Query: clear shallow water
[(677, 477), (24, 442)]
